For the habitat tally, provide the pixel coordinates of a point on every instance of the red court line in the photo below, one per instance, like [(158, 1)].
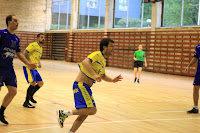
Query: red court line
[(53, 102)]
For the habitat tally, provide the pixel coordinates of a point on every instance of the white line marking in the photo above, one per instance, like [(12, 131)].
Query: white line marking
[(166, 111), (109, 122), (32, 129), (151, 101)]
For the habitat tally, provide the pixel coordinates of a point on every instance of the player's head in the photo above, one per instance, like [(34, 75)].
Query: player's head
[(106, 46), (12, 22), (140, 47), (41, 38)]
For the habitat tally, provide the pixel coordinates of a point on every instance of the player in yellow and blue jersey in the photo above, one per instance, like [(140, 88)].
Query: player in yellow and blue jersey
[(9, 45), (91, 69), (33, 53)]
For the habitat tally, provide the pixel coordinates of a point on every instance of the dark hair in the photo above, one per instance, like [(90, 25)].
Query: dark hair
[(9, 18), (105, 42), (38, 35)]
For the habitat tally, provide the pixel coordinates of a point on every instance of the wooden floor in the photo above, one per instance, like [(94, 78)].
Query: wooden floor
[(157, 105)]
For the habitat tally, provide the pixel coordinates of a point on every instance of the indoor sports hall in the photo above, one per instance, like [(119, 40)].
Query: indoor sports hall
[(168, 30)]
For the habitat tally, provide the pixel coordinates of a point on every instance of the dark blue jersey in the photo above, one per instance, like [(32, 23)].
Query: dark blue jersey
[(9, 45)]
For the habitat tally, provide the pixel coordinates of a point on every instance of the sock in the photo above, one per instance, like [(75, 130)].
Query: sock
[(2, 109), (196, 107), (70, 132), (68, 112), (29, 93), (37, 87)]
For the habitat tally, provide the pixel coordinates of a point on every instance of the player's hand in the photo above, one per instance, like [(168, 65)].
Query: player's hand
[(32, 66), (39, 66), (145, 65), (98, 78), (187, 69), (118, 78)]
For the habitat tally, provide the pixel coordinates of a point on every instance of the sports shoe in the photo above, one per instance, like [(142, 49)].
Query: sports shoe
[(2, 118), (194, 111), (135, 79), (61, 117), (138, 81), (28, 105), (32, 100)]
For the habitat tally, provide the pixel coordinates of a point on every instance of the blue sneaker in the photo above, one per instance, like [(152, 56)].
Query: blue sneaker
[(61, 117)]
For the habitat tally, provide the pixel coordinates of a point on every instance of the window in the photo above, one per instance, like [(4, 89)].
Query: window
[(181, 12), (92, 14), (61, 14), (123, 5), (190, 14), (172, 12), (132, 13), (92, 3)]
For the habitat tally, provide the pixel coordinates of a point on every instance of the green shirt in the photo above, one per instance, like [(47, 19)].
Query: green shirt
[(139, 55)]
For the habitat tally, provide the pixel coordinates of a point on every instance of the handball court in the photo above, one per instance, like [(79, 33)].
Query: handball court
[(157, 105)]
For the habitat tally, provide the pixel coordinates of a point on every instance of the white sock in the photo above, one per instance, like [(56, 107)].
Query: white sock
[(70, 132), (196, 107), (69, 112)]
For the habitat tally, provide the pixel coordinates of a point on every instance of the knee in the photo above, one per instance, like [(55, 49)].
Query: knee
[(196, 89), (40, 84), (93, 111), (33, 83), (12, 93)]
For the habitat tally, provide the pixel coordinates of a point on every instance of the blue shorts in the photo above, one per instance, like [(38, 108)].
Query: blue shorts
[(83, 95), (196, 81), (8, 77), (31, 75)]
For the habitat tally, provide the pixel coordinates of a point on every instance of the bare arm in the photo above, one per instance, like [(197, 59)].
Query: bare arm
[(192, 62), (145, 62), (21, 56), (26, 55), (134, 58), (39, 66), (108, 79), (87, 65)]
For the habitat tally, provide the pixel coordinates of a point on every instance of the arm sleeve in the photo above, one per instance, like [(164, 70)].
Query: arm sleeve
[(0, 36), (134, 54), (196, 53), (30, 48), (93, 57), (18, 46), (144, 55), (103, 71)]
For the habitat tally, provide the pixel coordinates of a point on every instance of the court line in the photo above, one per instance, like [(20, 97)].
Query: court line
[(166, 111), (90, 123), (54, 102), (150, 101)]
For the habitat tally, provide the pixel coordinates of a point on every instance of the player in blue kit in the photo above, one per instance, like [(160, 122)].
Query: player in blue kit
[(196, 80), (91, 69), (9, 45)]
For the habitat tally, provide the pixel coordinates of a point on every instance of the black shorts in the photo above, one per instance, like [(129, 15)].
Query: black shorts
[(138, 64)]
